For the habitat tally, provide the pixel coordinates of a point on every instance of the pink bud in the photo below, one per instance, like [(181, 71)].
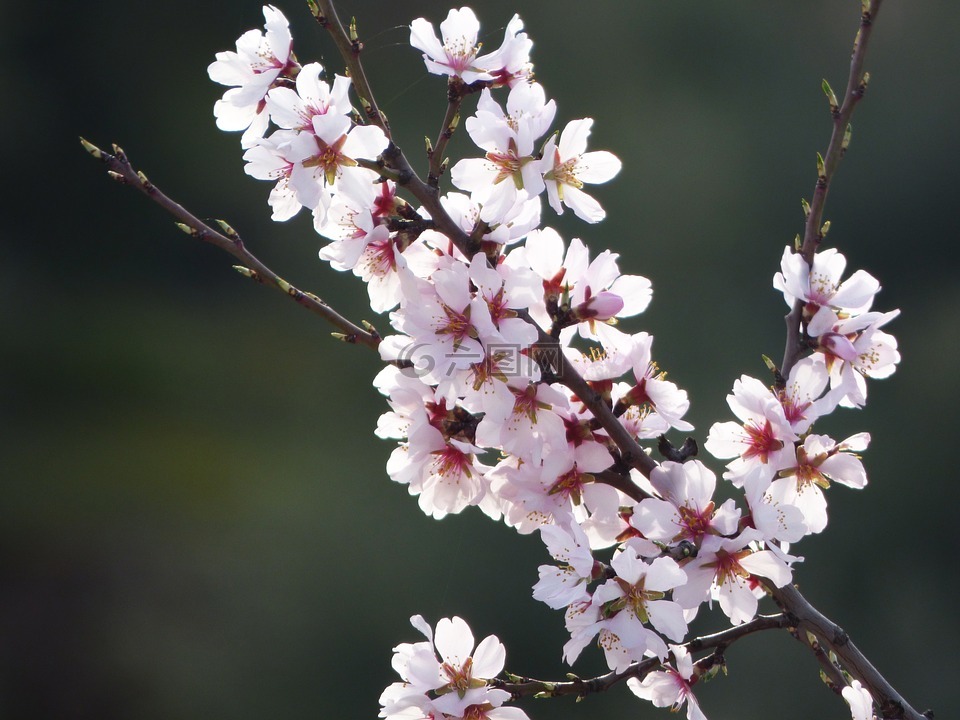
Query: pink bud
[(602, 306)]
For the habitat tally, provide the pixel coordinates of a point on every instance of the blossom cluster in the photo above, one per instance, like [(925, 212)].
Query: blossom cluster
[(493, 313)]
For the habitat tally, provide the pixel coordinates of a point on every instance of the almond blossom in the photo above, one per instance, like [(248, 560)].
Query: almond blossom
[(727, 569), (860, 701), (820, 460), (510, 171), (855, 349), (671, 687), (687, 510), (570, 167), (820, 286), (446, 674), (260, 61), (457, 54), (764, 439), (565, 585), (633, 599)]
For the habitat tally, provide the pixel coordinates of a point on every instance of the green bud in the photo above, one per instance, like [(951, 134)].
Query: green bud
[(227, 230), (831, 97), (245, 271), (92, 149)]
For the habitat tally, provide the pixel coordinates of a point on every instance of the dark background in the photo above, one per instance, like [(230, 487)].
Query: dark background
[(195, 519)]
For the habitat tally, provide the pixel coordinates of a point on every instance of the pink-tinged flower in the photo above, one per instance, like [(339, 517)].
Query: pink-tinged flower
[(774, 520), (631, 601), (727, 569), (855, 349), (267, 160), (457, 55), (803, 398), (326, 159), (510, 63), (570, 166), (514, 224), (260, 61), (764, 439), (447, 671), (652, 389), (561, 490), (687, 511), (820, 286), (510, 171), (444, 474), (820, 460), (447, 322), (671, 687), (527, 425), (295, 109), (860, 701), (454, 56), (561, 586), (577, 291)]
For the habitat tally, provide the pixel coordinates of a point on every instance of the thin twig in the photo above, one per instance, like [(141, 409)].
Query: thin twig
[(522, 686), (350, 47), (455, 95), (120, 169), (812, 234)]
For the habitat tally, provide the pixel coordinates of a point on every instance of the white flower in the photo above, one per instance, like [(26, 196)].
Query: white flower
[(267, 160), (570, 166), (327, 157), (562, 586), (764, 439), (671, 687), (820, 286), (450, 669), (687, 511), (260, 60), (854, 349), (860, 701), (633, 599), (819, 460), (295, 110), (728, 567), (457, 56), (509, 172)]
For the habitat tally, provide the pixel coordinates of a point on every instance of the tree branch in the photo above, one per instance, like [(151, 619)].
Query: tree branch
[(826, 169), (429, 196), (832, 636), (120, 169), (455, 95), (350, 48), (523, 687)]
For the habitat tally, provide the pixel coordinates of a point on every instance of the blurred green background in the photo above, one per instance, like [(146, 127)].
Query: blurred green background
[(195, 519)]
